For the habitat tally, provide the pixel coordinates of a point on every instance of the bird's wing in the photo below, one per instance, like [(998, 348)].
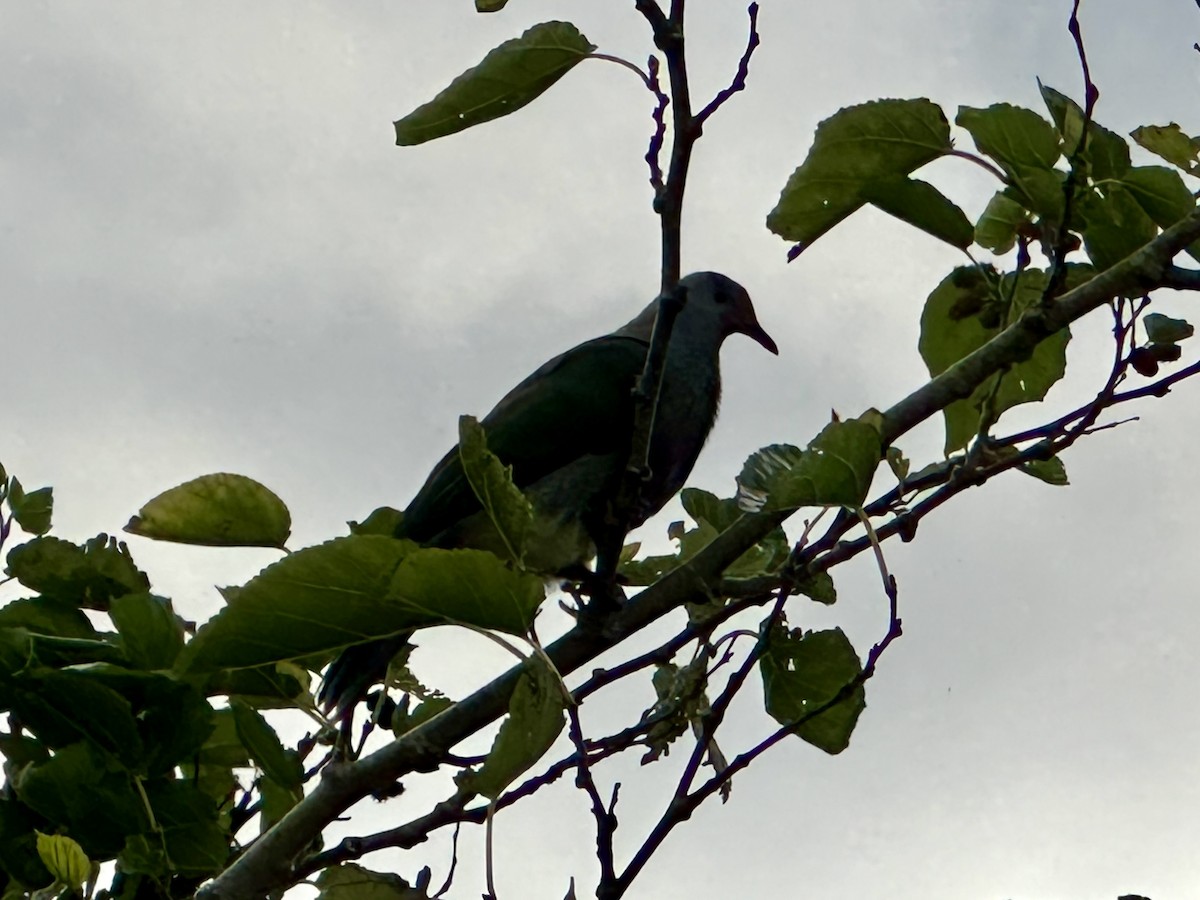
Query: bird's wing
[(576, 404)]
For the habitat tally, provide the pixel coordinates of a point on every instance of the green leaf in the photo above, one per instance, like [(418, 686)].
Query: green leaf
[(276, 686), (1025, 146), (224, 747), (89, 576), (65, 706), (81, 789), (507, 508), (802, 672), (1000, 223), (535, 719), (64, 859), (1162, 329), (1106, 153), (681, 700), (1052, 471), (18, 846), (487, 6), (471, 587), (317, 600), (1163, 195), (509, 77), (854, 152), (277, 801), (47, 615), (404, 721), (151, 633), (280, 765), (923, 206), (195, 842), (384, 521), (1172, 144), (173, 718), (834, 470), (1114, 225), (32, 511), (221, 510), (961, 315), (352, 882), (818, 587)]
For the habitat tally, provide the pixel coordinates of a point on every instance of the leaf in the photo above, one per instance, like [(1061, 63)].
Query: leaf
[(151, 633), (196, 844), (64, 859), (507, 508), (82, 790), (835, 469), (1000, 223), (535, 719), (221, 510), (277, 801), (18, 845), (1106, 153), (471, 587), (1164, 330), (923, 206), (1025, 146), (818, 587), (280, 765), (509, 77), (858, 151), (487, 6), (681, 699), (802, 672), (32, 511), (47, 615), (352, 882), (316, 600), (64, 706), (384, 521), (953, 326), (1052, 471), (1172, 144), (1163, 195), (1114, 226), (89, 576)]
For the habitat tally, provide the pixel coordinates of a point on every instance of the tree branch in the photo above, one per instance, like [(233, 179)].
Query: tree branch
[(268, 864)]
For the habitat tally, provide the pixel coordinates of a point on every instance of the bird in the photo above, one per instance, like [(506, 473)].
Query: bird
[(566, 432)]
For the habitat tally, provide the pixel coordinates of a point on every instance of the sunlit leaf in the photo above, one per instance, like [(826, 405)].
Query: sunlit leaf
[(221, 510)]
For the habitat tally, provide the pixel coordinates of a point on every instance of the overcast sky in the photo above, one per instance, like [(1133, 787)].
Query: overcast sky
[(214, 259)]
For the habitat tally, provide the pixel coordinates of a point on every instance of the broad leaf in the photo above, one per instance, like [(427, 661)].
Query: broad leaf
[(509, 77), (64, 859), (967, 310), (471, 587), (535, 719), (834, 470), (923, 206), (1162, 193), (860, 155), (89, 576), (221, 510), (151, 633), (317, 600), (1052, 471), (1172, 144), (262, 743), (1165, 330), (1025, 146), (1114, 226), (352, 882), (802, 673), (1106, 153), (491, 480), (1000, 223), (31, 510)]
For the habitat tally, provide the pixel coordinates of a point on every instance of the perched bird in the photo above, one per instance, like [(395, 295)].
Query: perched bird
[(566, 431)]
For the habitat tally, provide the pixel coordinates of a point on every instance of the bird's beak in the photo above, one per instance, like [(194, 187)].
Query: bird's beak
[(756, 332)]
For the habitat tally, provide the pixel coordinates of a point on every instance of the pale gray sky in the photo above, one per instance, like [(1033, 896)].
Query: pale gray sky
[(215, 259)]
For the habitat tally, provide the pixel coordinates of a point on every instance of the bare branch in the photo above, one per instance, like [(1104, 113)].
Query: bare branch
[(743, 70)]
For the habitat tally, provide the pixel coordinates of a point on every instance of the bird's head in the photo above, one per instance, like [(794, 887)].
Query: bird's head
[(723, 302), (716, 306)]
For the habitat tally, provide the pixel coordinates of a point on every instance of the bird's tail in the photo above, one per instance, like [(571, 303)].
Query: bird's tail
[(356, 670)]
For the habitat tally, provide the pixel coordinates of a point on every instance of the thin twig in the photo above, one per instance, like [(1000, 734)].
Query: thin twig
[(743, 70)]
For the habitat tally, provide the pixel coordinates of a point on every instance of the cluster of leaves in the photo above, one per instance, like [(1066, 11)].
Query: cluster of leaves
[(1068, 183), (110, 753)]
